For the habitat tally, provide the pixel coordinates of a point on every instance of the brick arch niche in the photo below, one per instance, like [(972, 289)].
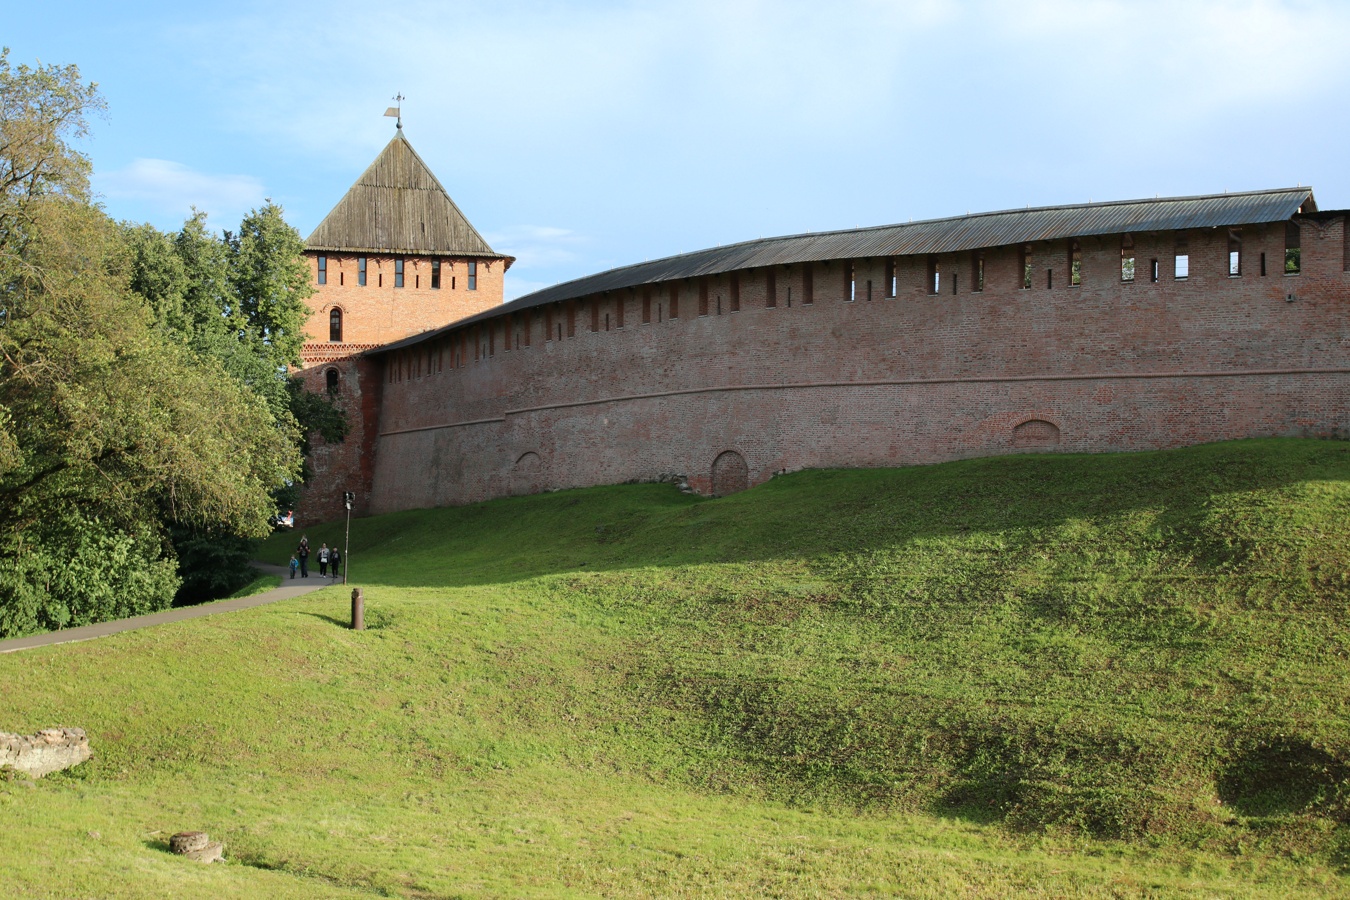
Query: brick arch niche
[(1036, 434), (526, 474), (729, 474)]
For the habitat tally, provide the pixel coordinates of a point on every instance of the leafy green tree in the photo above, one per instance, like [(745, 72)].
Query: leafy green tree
[(208, 299), (72, 569), (271, 282), (158, 275), (185, 277), (193, 282), (112, 428), (41, 110)]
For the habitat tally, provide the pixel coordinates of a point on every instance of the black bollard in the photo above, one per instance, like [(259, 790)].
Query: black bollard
[(358, 610)]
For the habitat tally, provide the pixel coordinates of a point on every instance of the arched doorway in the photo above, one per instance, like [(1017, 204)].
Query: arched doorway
[(729, 474)]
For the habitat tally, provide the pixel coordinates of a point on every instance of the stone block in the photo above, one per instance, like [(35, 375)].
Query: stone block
[(50, 750)]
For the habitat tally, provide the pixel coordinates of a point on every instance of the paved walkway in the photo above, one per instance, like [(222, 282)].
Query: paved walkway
[(289, 588)]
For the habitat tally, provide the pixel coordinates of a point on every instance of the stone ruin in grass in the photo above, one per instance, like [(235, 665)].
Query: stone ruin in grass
[(50, 750)]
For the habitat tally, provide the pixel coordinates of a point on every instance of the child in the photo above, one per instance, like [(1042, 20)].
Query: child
[(295, 565)]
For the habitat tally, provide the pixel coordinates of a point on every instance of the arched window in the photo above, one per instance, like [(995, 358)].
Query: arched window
[(331, 377), (335, 325)]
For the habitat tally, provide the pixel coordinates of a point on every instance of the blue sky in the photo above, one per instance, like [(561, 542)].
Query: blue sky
[(581, 136)]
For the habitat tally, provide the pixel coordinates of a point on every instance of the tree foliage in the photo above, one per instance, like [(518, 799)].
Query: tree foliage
[(189, 280), (271, 283), (41, 110), (126, 407), (238, 300)]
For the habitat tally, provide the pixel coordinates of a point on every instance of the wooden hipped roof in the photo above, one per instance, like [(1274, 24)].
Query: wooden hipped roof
[(398, 206)]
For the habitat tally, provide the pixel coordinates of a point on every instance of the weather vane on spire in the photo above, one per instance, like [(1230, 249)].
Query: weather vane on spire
[(397, 111)]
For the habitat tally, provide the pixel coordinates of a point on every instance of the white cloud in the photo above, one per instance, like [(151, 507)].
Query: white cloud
[(659, 126), (519, 287), (544, 254), (1202, 59), (537, 246), (163, 188), (700, 83)]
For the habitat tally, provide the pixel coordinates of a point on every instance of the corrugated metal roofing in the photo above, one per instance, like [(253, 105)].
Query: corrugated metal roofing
[(970, 232), (398, 206)]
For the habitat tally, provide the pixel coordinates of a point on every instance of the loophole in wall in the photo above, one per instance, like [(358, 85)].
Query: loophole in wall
[(1036, 433), (729, 474)]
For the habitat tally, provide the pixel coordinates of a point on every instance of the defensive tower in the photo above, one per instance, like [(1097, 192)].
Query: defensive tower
[(395, 257)]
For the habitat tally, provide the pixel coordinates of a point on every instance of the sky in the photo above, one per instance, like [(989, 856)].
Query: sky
[(580, 136)]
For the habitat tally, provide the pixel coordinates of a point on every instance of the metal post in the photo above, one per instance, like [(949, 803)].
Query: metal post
[(347, 498), (358, 610)]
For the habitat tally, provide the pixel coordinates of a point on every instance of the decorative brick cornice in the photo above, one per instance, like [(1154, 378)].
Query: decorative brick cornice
[(318, 353)]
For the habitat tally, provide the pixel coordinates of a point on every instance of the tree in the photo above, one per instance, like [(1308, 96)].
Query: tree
[(237, 300), (271, 282), (207, 298), (41, 110), (160, 277), (113, 428), (186, 279)]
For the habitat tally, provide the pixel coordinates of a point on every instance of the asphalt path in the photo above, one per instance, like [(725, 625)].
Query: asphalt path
[(290, 587)]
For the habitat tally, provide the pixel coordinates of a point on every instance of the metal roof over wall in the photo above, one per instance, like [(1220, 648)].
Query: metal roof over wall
[(970, 232), (398, 206)]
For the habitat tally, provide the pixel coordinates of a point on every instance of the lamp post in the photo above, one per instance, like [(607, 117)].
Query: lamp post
[(348, 498)]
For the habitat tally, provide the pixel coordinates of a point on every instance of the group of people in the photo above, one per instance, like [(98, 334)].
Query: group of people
[(328, 558)]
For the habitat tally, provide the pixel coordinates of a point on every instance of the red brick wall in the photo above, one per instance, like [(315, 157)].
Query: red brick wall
[(918, 378), (349, 465)]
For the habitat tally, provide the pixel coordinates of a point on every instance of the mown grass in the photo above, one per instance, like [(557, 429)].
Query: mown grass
[(259, 585), (1058, 675)]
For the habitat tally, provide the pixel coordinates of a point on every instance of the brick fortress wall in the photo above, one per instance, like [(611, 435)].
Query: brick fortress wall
[(349, 465), (744, 378), (376, 313)]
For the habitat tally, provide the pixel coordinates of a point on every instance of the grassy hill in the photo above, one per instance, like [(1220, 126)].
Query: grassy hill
[(1072, 675)]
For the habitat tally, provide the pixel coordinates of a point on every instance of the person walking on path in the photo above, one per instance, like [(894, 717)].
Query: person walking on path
[(295, 565), (302, 553), (334, 560), (323, 561)]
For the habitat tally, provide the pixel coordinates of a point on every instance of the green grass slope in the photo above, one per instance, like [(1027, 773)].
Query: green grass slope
[(1065, 675)]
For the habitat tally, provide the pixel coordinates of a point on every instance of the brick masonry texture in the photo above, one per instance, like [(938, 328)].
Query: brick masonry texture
[(506, 406), (349, 465), (379, 313)]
